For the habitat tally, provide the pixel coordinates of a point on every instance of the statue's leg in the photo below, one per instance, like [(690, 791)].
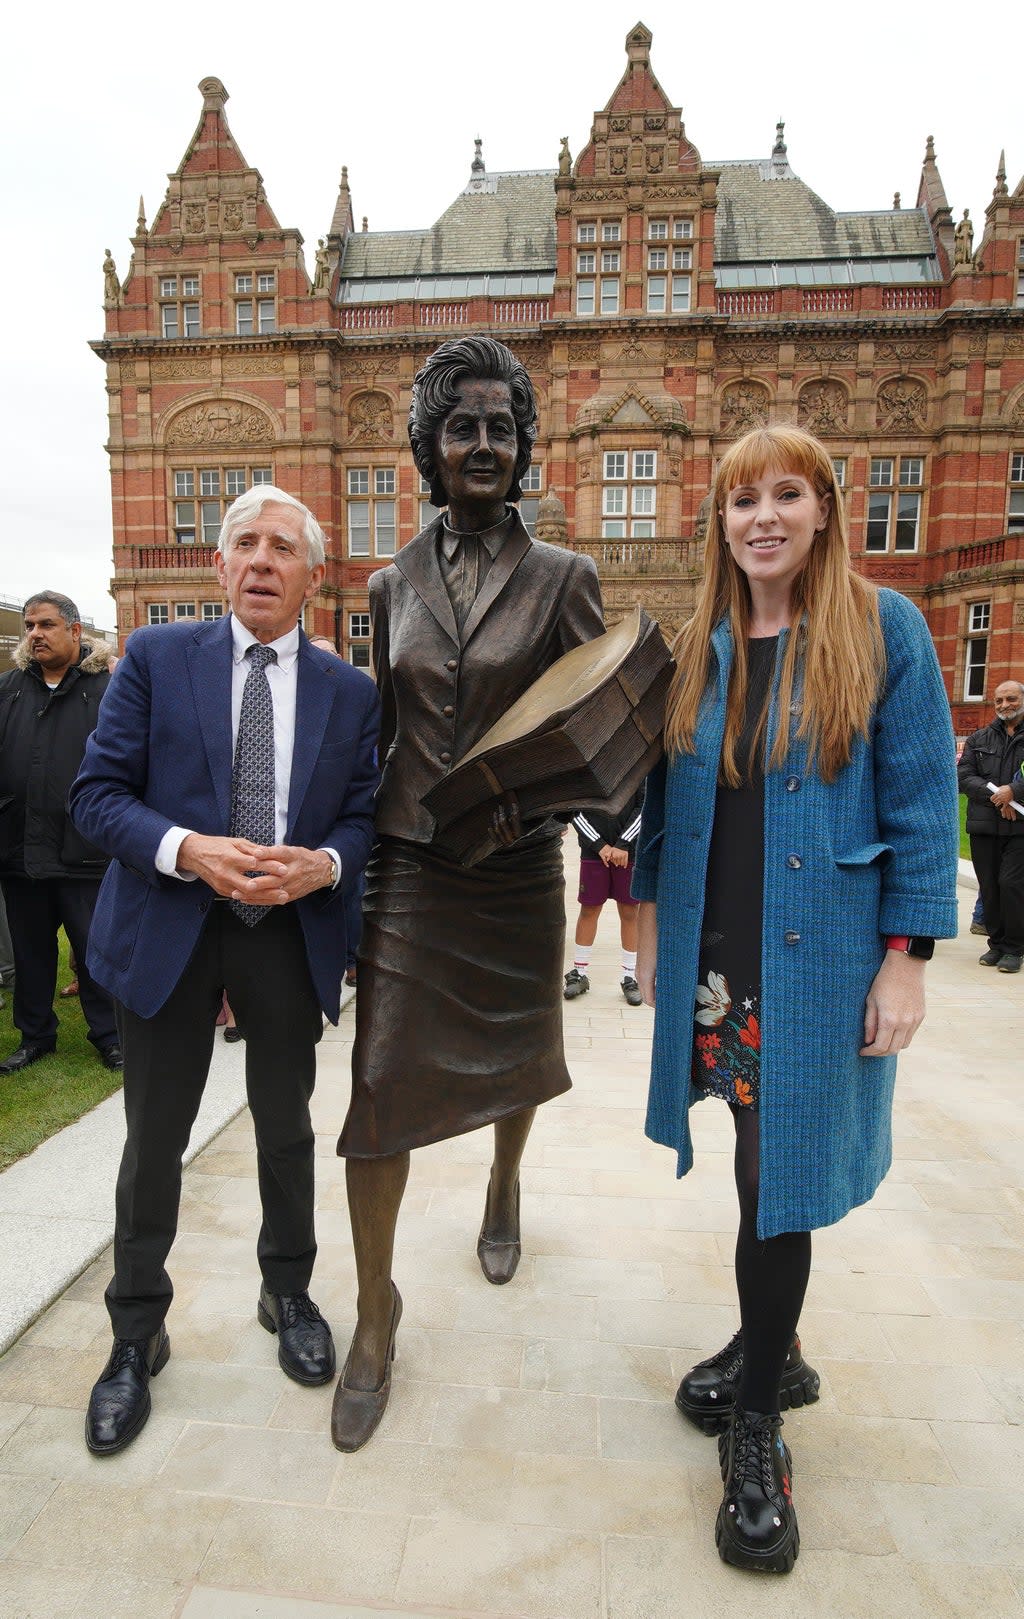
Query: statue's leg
[(501, 1216), (375, 1187)]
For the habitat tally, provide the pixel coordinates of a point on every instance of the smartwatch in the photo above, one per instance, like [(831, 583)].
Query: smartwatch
[(920, 948)]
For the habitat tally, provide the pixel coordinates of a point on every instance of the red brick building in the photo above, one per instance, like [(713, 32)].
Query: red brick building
[(662, 303)]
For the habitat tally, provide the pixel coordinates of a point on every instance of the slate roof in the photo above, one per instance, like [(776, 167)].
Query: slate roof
[(505, 222), (763, 218)]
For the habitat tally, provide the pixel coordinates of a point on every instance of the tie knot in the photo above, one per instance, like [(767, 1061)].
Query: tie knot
[(259, 656)]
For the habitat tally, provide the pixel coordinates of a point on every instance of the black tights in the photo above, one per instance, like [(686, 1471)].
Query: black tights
[(771, 1279)]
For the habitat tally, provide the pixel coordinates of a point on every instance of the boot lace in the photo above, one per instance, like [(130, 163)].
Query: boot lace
[(752, 1451), (733, 1351)]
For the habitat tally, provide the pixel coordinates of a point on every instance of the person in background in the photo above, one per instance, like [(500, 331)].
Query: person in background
[(991, 773), (354, 901), (606, 872), (51, 875), (797, 860)]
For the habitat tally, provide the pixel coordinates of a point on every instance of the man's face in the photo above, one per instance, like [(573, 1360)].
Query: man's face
[(265, 572), (1009, 702), (52, 644)]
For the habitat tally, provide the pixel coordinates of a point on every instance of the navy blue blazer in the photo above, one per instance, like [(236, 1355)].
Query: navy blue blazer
[(160, 756)]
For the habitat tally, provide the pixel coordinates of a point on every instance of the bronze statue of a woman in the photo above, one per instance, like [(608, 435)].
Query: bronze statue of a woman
[(458, 1016)]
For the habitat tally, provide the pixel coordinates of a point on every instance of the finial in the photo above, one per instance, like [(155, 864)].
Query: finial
[(780, 144), (366, 224), (1000, 190), (929, 149), (896, 202), (140, 223), (478, 166), (214, 95)]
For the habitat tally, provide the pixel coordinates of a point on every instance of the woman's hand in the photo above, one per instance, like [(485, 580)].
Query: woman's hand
[(647, 950), (894, 1010), (505, 822)]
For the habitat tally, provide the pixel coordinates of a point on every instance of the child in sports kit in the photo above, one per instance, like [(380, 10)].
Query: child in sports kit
[(606, 870)]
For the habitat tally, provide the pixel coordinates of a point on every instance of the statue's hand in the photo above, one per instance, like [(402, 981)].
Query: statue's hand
[(505, 821)]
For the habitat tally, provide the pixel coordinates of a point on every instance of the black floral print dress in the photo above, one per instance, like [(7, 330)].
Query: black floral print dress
[(727, 1033)]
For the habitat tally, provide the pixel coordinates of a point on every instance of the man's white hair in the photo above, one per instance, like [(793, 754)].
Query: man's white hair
[(249, 505)]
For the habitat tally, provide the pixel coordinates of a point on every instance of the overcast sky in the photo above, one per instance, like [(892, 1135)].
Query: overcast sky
[(92, 117)]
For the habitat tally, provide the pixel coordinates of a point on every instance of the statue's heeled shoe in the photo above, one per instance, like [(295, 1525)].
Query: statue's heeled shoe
[(499, 1261), (356, 1413)]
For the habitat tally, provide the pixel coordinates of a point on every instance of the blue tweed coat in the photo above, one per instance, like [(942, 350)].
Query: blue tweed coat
[(872, 853)]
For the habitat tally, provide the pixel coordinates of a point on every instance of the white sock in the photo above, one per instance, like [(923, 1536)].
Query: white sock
[(629, 963), (581, 957)]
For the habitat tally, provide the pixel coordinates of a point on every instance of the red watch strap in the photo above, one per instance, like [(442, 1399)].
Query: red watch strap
[(897, 941)]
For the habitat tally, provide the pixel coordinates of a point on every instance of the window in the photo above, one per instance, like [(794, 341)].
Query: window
[(611, 231), (585, 297), (680, 295), (266, 282), (839, 468), (894, 503), (587, 231), (372, 515), (979, 622), (158, 613), (656, 294), (184, 609), (657, 258), (529, 505), (682, 258), (179, 317), (1015, 516), (359, 626), (682, 230), (657, 230), (1020, 273), (610, 295), (610, 260), (243, 283), (427, 511), (533, 477), (629, 495), (212, 610), (217, 487), (586, 263)]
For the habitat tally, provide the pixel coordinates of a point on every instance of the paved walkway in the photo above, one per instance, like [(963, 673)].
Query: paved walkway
[(532, 1465)]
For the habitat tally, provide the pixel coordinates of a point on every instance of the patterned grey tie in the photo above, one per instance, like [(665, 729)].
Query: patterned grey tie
[(252, 779)]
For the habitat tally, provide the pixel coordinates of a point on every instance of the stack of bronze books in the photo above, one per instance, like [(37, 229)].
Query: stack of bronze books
[(583, 736)]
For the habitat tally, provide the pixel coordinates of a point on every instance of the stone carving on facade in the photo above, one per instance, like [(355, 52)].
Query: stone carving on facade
[(1013, 345), (744, 405), (220, 421), (963, 240), (655, 159), (375, 366), (843, 353), (902, 405), (111, 285), (254, 365), (631, 407), (823, 407), (633, 353), (618, 124), (1017, 413), (177, 370), (1018, 615), (585, 353), (979, 344), (653, 122), (681, 348), (127, 370), (904, 351), (583, 470), (320, 267), (195, 218), (564, 157), (748, 353), (700, 532), (894, 571), (618, 158), (232, 216), (371, 419), (552, 523), (307, 365)]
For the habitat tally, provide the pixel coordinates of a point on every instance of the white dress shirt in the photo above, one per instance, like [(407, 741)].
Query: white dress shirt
[(282, 677)]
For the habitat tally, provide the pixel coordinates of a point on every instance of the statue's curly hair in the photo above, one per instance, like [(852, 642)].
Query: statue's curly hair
[(435, 395)]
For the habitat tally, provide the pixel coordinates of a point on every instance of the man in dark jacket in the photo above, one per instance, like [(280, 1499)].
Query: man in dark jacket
[(992, 776), (50, 874)]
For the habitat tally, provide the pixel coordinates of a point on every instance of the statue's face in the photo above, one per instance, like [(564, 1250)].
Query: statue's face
[(477, 444)]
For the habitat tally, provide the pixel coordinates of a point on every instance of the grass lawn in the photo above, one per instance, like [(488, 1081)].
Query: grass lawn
[(965, 842), (56, 1090)]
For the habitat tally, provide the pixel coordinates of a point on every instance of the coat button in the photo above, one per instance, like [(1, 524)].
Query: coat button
[(448, 711), (445, 758), (792, 784), (790, 937), (794, 862), (452, 664)]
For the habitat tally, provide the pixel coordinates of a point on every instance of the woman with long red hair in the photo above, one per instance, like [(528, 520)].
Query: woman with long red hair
[(796, 863)]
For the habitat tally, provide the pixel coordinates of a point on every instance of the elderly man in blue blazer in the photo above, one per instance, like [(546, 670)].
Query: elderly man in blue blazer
[(231, 778)]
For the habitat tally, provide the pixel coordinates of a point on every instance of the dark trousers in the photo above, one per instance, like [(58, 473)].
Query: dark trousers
[(999, 866), (166, 1063), (36, 908)]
